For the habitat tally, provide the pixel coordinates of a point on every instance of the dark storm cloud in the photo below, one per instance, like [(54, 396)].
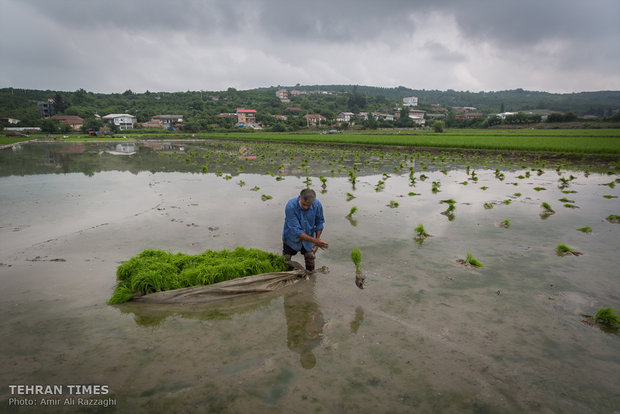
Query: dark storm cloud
[(209, 44)]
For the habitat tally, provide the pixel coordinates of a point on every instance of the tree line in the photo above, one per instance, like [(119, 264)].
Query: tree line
[(200, 109)]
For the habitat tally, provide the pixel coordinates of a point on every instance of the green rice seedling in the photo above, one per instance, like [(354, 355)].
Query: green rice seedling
[(356, 257), (547, 207), (266, 197), (241, 183), (507, 202), (517, 195), (470, 260), (423, 177), (586, 229), (323, 181), (352, 177), (205, 169), (255, 188), (505, 223), (607, 317), (279, 178), (484, 188), (613, 218), (156, 270), (421, 232), (393, 204), (539, 188), (350, 196), (609, 197), (351, 212), (564, 250), (411, 194), (488, 206), (568, 205)]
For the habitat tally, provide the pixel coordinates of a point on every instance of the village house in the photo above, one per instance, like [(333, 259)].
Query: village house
[(246, 118), (417, 116), (280, 117), (282, 95), (345, 117), (410, 101), (46, 108), (382, 117), (122, 121), (164, 121), (469, 115), (11, 121), (74, 121), (314, 119)]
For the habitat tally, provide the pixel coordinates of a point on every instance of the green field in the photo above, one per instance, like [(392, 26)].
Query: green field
[(570, 141)]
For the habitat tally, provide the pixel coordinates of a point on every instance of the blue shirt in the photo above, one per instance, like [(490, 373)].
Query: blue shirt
[(297, 221)]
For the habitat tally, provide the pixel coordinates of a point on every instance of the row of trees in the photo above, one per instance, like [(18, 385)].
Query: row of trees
[(201, 108)]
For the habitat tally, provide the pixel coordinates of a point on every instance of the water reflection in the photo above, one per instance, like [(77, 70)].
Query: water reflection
[(304, 319), (304, 323)]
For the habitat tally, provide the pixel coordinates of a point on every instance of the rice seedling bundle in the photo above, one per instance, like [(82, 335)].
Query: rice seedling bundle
[(157, 270)]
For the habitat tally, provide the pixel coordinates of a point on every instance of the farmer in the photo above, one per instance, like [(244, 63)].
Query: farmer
[(303, 225)]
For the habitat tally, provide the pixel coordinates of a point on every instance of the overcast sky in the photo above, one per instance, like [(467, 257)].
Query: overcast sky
[(179, 45)]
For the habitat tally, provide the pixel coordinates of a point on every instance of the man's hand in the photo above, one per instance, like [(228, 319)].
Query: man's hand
[(318, 243)]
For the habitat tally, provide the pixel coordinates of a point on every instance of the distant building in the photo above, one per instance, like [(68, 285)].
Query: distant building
[(282, 95), (46, 108), (314, 119), (293, 108), (469, 115), (382, 117), (345, 117), (168, 120), (246, 118), (74, 121), (410, 101), (9, 120), (122, 121), (417, 116)]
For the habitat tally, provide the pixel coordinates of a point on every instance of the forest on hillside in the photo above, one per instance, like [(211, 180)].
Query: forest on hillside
[(200, 109)]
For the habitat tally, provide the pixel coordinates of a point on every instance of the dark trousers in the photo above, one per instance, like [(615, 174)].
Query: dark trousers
[(308, 255)]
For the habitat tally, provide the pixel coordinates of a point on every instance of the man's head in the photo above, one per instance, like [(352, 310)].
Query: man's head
[(306, 198)]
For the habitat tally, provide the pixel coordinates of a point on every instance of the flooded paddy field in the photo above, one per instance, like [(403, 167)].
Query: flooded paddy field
[(426, 334)]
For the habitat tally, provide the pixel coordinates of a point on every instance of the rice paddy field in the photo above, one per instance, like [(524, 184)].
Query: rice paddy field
[(469, 302)]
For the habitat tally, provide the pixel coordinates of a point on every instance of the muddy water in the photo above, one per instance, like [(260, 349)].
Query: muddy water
[(427, 334)]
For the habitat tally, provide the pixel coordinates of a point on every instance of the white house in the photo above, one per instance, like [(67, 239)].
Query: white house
[(410, 101), (282, 95), (417, 116), (122, 121), (345, 117)]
